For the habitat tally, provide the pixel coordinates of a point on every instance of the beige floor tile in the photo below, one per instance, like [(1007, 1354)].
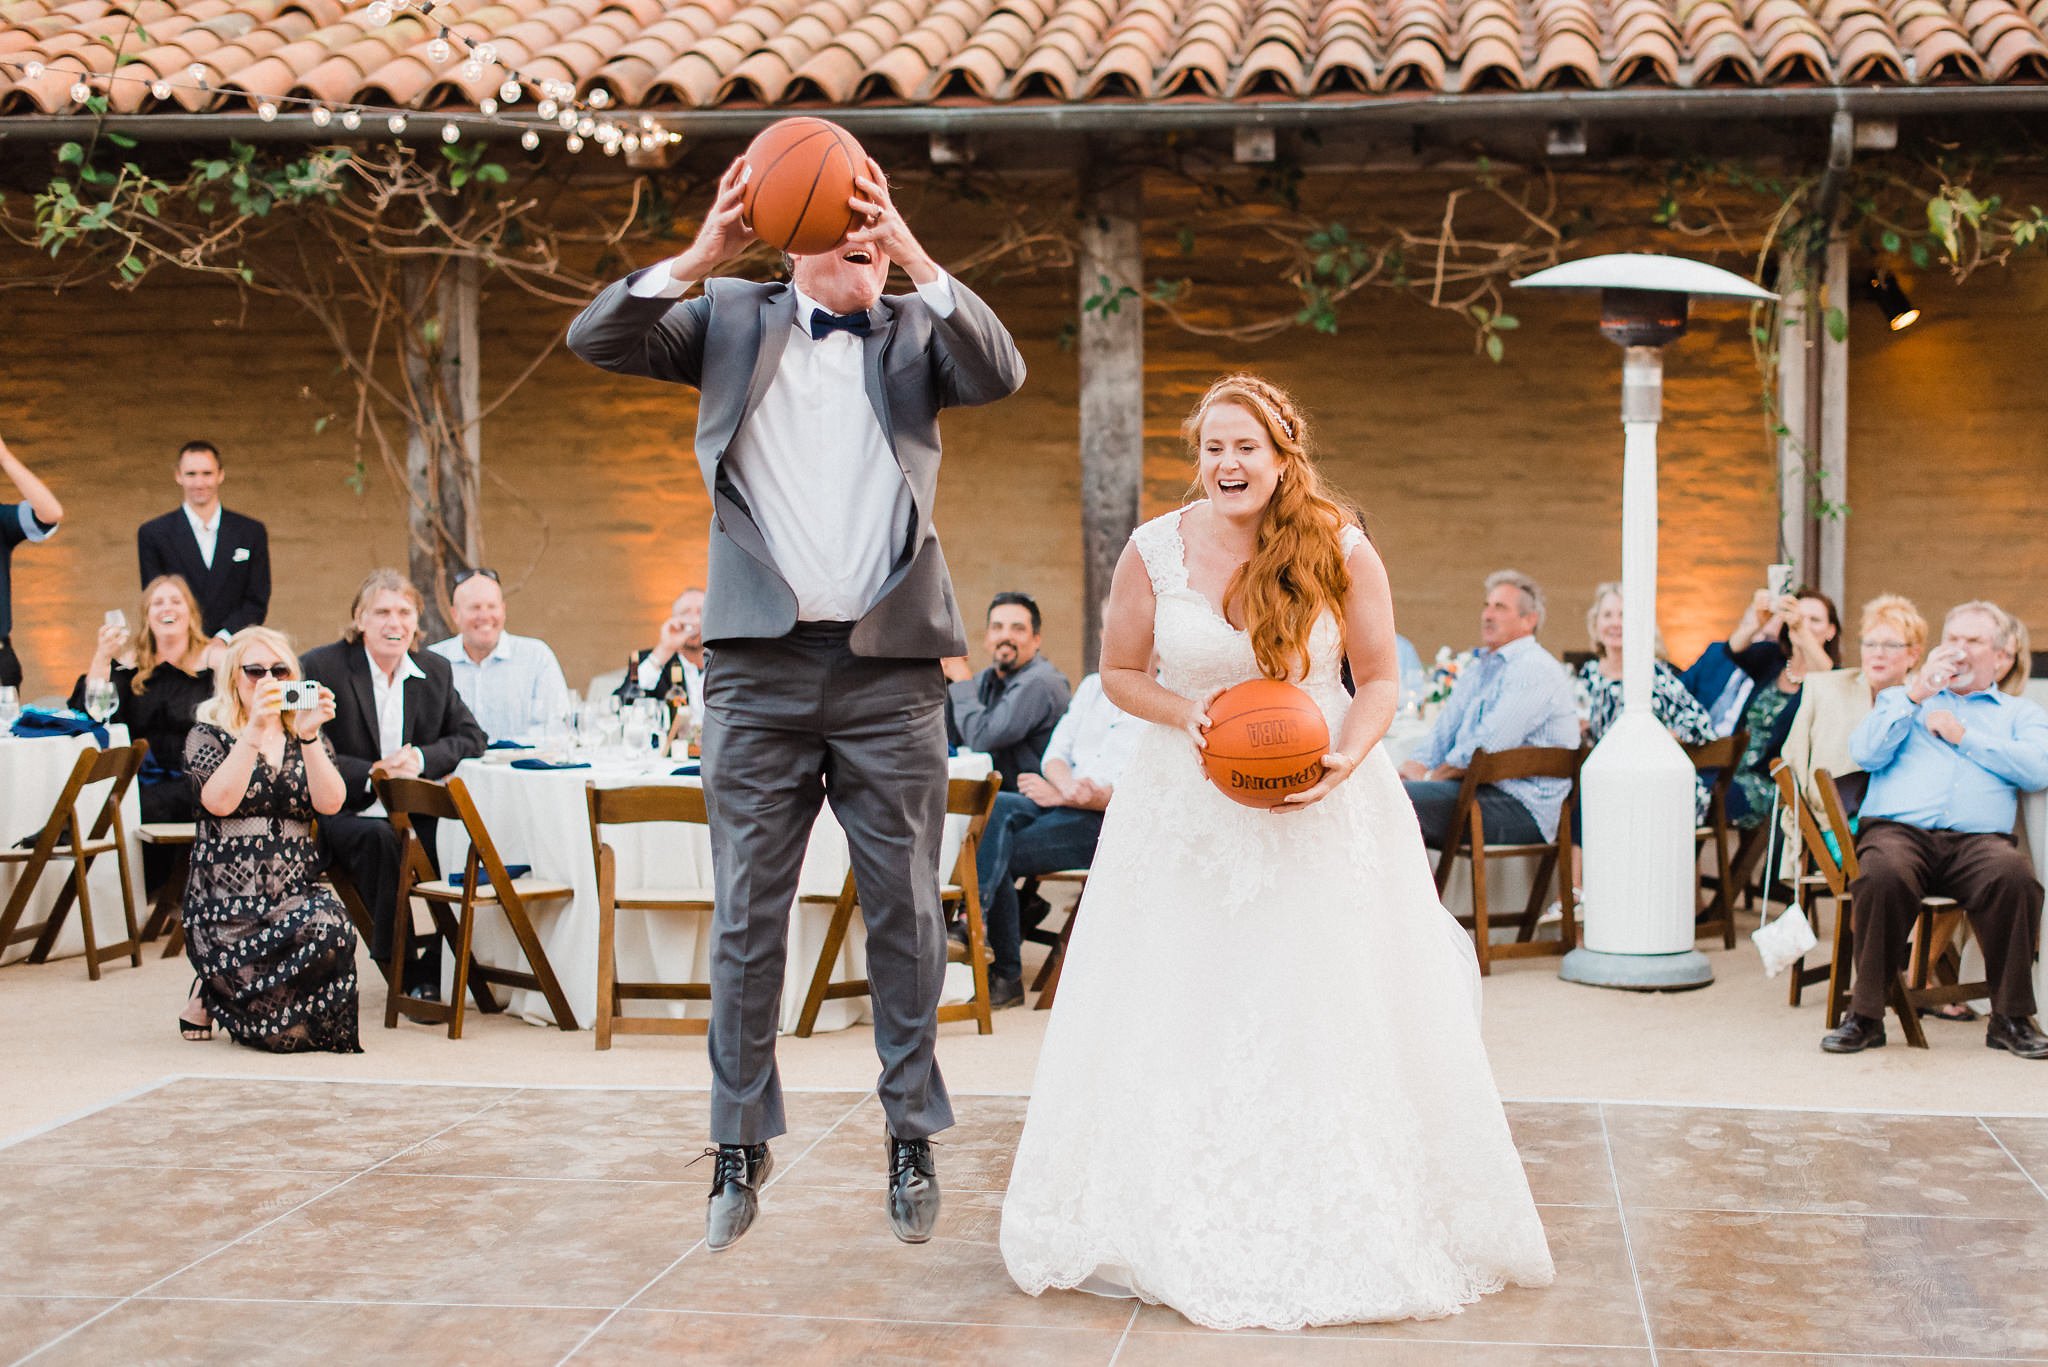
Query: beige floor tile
[(1844, 1283), (1816, 1162), (102, 1231), (816, 1251), (250, 1123), (1593, 1302), (274, 1334), (2027, 1141), (492, 1241), (1564, 1151), (974, 1155), (1151, 1349), (640, 1136), (29, 1322), (638, 1337)]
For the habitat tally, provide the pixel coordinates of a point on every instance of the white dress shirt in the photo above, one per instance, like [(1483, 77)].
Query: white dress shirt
[(650, 675), (389, 696), (1095, 738), (207, 533), (815, 443), (514, 690)]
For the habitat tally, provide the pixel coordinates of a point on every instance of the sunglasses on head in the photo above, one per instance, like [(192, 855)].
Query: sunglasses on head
[(464, 576), (276, 671)]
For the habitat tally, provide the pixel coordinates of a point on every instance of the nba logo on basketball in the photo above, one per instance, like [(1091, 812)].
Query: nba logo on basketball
[(1269, 733)]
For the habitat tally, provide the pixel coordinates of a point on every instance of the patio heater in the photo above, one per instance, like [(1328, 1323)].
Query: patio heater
[(1638, 783)]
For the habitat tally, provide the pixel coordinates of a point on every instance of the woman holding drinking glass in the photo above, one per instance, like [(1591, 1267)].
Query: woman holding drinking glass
[(1891, 640), (155, 689), (275, 952)]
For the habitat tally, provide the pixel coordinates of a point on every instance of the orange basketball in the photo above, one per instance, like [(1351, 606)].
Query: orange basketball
[(800, 174), (1267, 739)]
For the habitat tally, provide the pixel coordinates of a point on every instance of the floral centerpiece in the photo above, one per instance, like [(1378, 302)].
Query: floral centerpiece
[(1443, 676)]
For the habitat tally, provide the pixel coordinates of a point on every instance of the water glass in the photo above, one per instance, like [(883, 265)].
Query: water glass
[(10, 707), (100, 700)]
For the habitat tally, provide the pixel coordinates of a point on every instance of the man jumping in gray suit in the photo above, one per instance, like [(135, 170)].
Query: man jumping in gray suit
[(828, 611)]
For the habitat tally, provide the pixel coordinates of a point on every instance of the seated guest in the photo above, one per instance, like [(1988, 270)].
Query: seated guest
[(35, 518), (1948, 754), (1600, 680), (1009, 710), (1515, 693), (511, 684), (673, 670), (1050, 823), (397, 715), (274, 950), (1891, 640), (158, 688), (1727, 672), (1808, 631)]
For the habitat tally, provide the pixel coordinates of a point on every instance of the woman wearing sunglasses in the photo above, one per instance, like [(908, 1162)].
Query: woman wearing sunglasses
[(274, 950)]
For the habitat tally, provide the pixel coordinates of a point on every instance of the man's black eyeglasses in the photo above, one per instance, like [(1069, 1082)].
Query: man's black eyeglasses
[(276, 671), (464, 576)]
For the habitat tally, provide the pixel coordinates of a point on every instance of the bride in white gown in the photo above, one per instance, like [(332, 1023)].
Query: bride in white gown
[(1262, 1098)]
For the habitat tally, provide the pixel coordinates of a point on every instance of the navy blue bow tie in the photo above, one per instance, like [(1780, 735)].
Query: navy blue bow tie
[(823, 322)]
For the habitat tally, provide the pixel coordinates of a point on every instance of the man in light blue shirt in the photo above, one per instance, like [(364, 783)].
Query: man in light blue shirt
[(1514, 693), (1948, 755), (512, 684)]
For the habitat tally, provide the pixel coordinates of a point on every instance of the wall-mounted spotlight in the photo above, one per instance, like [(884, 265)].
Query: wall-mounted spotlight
[(1884, 288)]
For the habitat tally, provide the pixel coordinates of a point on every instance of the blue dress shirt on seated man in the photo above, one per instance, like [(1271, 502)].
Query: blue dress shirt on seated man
[(1948, 755), (1051, 823), (1514, 693), (512, 684)]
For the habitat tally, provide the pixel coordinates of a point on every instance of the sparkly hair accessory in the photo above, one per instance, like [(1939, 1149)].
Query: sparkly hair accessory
[(1265, 406)]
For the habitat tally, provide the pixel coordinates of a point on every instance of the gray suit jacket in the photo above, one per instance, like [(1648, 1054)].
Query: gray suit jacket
[(727, 342)]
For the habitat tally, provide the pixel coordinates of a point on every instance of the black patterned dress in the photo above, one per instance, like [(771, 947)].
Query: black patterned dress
[(275, 952)]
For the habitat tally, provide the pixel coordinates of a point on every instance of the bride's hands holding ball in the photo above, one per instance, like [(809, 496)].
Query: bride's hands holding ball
[(1196, 719), (1337, 766)]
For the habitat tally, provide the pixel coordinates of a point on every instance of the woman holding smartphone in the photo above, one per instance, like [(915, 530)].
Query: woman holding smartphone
[(275, 954)]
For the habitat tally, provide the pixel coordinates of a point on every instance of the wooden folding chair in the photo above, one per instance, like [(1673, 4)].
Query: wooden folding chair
[(632, 806), (80, 845), (1047, 983), (166, 911), (1468, 837), (407, 798), (1718, 757), (973, 799)]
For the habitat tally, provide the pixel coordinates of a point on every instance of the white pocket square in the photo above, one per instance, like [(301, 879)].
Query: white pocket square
[(241, 554)]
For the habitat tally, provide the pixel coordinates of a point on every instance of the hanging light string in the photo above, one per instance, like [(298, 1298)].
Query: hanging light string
[(581, 120)]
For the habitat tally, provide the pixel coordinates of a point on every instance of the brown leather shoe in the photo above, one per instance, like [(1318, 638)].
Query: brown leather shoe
[(2015, 1035), (1856, 1034)]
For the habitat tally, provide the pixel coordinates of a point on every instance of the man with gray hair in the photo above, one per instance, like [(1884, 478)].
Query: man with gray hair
[(1948, 754), (1514, 693)]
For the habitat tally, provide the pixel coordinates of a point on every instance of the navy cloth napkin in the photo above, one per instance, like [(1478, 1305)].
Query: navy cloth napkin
[(509, 745), (35, 723), (515, 872), (687, 771), (547, 764)]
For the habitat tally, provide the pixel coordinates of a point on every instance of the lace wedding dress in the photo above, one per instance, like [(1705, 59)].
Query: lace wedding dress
[(1263, 1099)]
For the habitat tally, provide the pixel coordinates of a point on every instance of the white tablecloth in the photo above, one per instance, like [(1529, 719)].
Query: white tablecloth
[(542, 818), (32, 774)]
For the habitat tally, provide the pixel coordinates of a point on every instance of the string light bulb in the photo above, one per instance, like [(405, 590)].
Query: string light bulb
[(586, 125), (322, 116), (546, 108), (632, 142), (266, 111), (450, 133), (160, 89), (487, 53), (33, 71), (438, 52), (530, 140), (486, 106), (574, 143), (379, 13), (351, 120), (197, 72), (472, 70), (599, 98), (509, 92), (567, 118), (396, 123), (80, 92)]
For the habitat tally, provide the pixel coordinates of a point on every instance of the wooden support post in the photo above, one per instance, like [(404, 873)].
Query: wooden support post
[(1112, 346), (443, 448), (1830, 572), (1795, 347)]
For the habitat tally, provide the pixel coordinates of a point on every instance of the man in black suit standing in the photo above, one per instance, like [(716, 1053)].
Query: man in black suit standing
[(396, 715), (224, 556), (828, 612)]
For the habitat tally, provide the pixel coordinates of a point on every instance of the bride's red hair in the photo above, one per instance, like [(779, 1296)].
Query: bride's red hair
[(1296, 572)]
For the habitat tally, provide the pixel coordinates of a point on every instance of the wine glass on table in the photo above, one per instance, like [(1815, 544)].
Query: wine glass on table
[(10, 707), (101, 702)]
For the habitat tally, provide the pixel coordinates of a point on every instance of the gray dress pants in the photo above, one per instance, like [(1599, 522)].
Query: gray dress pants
[(790, 723)]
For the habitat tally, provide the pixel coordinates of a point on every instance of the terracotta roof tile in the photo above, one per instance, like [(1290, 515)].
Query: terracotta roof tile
[(704, 53)]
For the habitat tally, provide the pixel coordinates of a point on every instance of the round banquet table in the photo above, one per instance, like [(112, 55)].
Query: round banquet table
[(541, 817), (32, 774)]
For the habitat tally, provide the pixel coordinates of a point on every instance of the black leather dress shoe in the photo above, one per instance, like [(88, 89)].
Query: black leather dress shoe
[(2015, 1035), (1856, 1034), (735, 1192), (913, 1189), (1004, 992)]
